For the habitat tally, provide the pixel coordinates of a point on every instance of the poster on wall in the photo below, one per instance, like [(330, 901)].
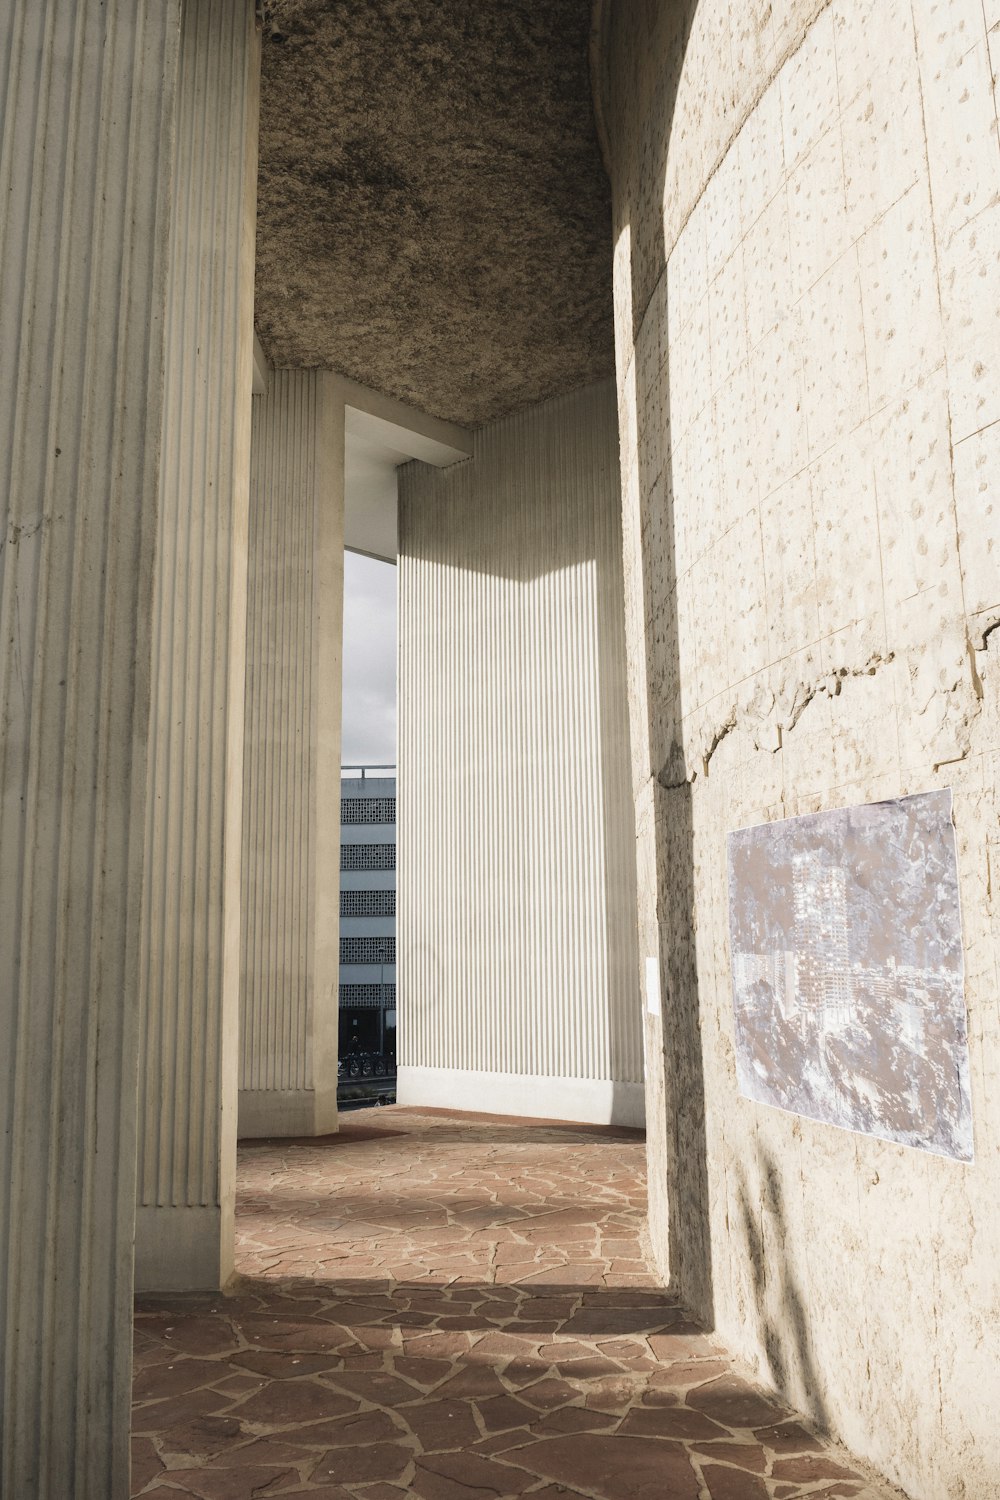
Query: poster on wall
[(848, 971)]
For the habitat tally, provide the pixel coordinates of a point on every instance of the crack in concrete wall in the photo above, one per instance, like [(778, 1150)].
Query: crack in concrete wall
[(810, 415), (948, 704), (768, 716)]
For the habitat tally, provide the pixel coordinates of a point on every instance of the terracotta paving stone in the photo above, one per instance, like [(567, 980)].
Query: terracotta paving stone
[(221, 1484), (275, 1452), (673, 1422), (355, 1465), (292, 1401), (281, 1367), (473, 1380), (731, 1484), (146, 1463), (443, 1476), (558, 1492), (157, 1382), (743, 1455), (619, 1468), (788, 1437), (732, 1401), (348, 1432), (504, 1412), (443, 1425), (691, 1372), (337, 1492), (203, 1437), (571, 1419), (809, 1468), (450, 1308), (546, 1394), (240, 1385)]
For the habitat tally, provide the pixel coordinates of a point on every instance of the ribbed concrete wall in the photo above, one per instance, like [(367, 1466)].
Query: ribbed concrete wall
[(190, 930), (517, 970), (86, 95), (808, 323), (276, 968), (288, 1048)]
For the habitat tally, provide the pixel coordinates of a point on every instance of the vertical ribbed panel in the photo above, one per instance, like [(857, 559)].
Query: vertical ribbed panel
[(291, 769), (190, 937), (278, 798), (516, 883), (86, 101)]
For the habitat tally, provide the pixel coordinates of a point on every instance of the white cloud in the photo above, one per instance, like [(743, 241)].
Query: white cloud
[(369, 728)]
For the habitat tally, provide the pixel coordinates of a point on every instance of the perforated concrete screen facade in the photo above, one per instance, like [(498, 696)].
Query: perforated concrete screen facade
[(367, 987), (368, 810), (378, 995), (368, 903), (368, 857)]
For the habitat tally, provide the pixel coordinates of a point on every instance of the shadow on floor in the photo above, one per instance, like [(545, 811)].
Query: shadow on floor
[(380, 1389)]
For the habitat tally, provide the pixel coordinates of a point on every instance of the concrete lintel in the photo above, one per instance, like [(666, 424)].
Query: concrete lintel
[(382, 418)]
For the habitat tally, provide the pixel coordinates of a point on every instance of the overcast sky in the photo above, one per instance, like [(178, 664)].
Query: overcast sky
[(369, 734)]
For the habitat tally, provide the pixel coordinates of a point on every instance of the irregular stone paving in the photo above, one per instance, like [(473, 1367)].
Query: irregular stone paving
[(456, 1309)]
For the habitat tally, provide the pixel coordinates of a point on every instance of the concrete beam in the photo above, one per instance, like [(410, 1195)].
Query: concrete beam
[(381, 418)]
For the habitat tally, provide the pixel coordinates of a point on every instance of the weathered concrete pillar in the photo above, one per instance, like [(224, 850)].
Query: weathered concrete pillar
[(86, 108), (291, 832), (189, 963)]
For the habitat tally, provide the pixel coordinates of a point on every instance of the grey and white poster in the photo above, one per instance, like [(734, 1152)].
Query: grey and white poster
[(848, 971)]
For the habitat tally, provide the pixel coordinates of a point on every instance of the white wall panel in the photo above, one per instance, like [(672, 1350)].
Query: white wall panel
[(516, 845)]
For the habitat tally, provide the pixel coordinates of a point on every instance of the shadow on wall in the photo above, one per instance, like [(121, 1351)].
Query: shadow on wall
[(689, 1252), (780, 1309), (779, 1305)]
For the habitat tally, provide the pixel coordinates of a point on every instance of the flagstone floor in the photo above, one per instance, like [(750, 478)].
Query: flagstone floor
[(456, 1309)]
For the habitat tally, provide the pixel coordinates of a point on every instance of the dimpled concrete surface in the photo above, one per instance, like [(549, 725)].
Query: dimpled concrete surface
[(453, 1307), (434, 217)]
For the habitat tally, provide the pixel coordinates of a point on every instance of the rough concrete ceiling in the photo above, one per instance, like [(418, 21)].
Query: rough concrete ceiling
[(434, 216)]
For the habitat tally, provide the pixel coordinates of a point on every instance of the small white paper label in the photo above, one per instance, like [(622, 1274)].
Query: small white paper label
[(652, 987)]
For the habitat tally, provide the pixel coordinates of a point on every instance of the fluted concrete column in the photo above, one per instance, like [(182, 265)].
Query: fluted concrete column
[(291, 833), (86, 106), (190, 928)]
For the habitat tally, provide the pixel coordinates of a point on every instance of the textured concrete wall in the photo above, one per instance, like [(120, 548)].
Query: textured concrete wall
[(517, 972), (189, 963), (86, 108), (291, 826), (807, 223)]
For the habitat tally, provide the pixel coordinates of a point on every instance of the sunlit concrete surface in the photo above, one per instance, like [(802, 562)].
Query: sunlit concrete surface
[(453, 1307)]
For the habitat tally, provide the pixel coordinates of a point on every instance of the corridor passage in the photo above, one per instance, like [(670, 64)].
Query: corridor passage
[(457, 1309)]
